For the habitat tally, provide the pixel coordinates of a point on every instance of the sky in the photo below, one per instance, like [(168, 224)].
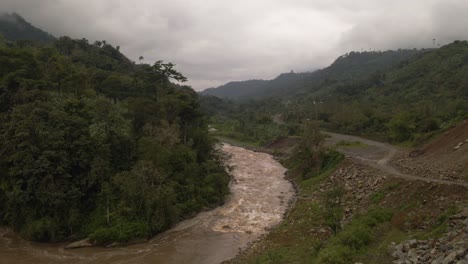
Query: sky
[(213, 42)]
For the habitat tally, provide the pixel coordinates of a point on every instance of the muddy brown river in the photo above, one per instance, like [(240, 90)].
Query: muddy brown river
[(259, 197)]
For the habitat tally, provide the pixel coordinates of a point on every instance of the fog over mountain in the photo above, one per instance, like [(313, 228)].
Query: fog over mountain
[(213, 42)]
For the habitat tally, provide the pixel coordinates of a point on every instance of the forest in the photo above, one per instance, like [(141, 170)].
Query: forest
[(404, 96), (95, 145)]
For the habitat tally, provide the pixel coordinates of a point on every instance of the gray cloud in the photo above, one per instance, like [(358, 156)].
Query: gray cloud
[(215, 41)]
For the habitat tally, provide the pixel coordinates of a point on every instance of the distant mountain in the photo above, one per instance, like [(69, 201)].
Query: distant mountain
[(401, 96), (14, 27), (236, 90), (353, 65)]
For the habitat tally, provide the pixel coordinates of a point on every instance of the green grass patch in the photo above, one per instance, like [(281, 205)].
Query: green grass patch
[(354, 238), (378, 196), (345, 143), (294, 240), (122, 231), (377, 250), (440, 226)]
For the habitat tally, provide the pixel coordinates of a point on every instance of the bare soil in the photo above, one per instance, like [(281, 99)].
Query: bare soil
[(444, 158)]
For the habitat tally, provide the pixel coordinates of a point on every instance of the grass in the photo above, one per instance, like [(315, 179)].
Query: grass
[(354, 239), (350, 144), (311, 232), (379, 195), (441, 225), (377, 250), (296, 239)]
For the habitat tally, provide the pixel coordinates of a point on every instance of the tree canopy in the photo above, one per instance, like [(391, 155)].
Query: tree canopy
[(95, 145)]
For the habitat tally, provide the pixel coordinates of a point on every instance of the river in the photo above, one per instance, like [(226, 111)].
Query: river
[(259, 197)]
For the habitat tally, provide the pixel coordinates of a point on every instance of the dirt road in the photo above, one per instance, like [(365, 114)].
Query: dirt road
[(377, 155)]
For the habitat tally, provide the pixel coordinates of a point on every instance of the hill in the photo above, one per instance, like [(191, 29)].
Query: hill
[(398, 96), (93, 145), (354, 65), (14, 27), (235, 90)]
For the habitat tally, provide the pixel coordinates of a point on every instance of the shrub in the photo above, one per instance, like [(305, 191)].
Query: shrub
[(353, 238), (120, 232)]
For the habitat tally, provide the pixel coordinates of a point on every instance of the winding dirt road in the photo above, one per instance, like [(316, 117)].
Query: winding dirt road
[(377, 154)]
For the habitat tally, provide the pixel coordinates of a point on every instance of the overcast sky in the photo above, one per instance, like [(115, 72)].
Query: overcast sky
[(216, 41)]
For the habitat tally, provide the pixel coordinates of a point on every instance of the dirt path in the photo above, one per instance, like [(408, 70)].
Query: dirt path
[(377, 155)]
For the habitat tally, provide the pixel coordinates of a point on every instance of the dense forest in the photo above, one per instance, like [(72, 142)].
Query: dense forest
[(353, 65), (94, 145), (422, 93)]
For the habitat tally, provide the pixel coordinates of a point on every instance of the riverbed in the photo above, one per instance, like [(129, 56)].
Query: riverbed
[(259, 198)]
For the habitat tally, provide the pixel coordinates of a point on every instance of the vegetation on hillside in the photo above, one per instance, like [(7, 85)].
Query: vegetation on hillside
[(95, 145), (351, 66), (321, 227), (409, 101)]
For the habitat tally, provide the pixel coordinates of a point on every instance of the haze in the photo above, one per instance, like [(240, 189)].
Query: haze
[(213, 42)]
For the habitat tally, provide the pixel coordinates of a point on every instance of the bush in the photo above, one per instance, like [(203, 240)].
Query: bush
[(356, 236), (335, 255), (121, 232), (353, 238), (43, 229)]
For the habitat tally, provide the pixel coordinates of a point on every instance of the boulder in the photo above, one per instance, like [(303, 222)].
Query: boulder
[(80, 244)]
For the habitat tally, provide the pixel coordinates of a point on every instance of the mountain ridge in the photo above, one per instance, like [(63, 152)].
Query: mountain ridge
[(352, 65), (14, 27)]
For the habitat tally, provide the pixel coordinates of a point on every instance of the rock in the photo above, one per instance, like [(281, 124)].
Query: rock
[(451, 258), (115, 244), (413, 243), (445, 248), (438, 260), (460, 253), (80, 244)]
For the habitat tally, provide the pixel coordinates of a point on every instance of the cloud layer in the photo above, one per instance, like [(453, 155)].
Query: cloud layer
[(216, 41)]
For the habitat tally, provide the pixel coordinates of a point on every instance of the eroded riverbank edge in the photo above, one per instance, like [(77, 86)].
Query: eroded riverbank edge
[(225, 156), (405, 212), (277, 154), (240, 219)]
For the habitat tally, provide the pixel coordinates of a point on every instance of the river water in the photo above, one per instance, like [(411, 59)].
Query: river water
[(259, 197)]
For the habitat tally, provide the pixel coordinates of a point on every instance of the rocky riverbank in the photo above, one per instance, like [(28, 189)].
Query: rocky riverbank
[(451, 248)]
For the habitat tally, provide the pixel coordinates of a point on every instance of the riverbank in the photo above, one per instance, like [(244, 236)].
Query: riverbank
[(354, 212), (209, 238)]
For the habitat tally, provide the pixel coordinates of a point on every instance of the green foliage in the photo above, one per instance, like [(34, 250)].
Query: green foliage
[(344, 143), (92, 144), (377, 197), (121, 231), (401, 127), (353, 238), (401, 96), (350, 66)]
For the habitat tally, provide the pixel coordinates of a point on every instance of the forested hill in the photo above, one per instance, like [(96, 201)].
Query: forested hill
[(354, 65), (408, 102), (94, 145), (236, 90), (14, 27)]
